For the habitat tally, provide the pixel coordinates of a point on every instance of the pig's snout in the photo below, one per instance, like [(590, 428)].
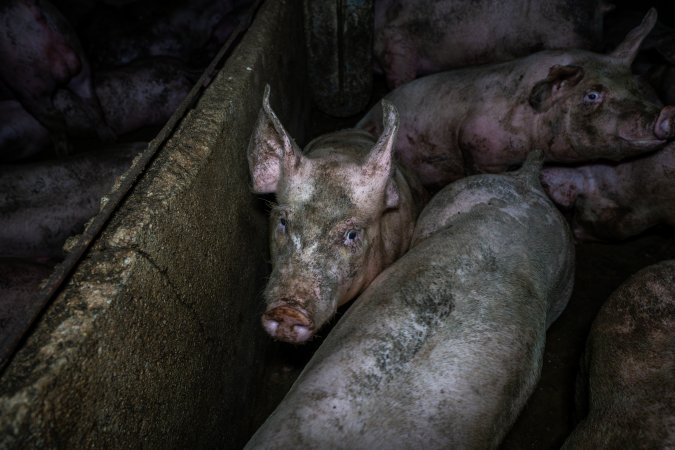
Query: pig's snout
[(665, 124), (289, 324)]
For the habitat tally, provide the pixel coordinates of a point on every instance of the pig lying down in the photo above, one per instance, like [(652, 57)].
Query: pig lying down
[(575, 105), (43, 203), (419, 37), (142, 94), (344, 212), (616, 201), (629, 367), (445, 346), (41, 53)]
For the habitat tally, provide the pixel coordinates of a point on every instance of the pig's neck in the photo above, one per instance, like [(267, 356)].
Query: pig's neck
[(398, 224)]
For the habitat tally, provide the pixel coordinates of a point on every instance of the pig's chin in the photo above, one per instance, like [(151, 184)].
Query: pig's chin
[(639, 137)]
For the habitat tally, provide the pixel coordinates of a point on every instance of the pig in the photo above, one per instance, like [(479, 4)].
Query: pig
[(41, 53), (628, 368), (428, 36), (142, 94), (344, 212), (43, 203), (615, 201), (445, 346), (576, 105)]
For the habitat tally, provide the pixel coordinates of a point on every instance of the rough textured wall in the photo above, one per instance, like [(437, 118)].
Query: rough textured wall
[(155, 342)]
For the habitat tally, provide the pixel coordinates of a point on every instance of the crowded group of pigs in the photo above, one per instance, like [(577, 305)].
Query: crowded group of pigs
[(449, 213), (78, 76)]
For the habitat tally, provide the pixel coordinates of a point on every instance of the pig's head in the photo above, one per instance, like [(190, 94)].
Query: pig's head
[(594, 107), (328, 236)]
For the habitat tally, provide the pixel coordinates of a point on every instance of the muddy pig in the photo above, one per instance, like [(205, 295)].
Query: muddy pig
[(445, 346), (344, 212), (576, 105), (616, 201), (43, 203), (41, 53), (414, 38), (144, 93), (628, 369)]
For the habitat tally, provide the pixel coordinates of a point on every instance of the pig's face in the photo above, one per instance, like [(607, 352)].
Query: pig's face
[(596, 108), (325, 230), (322, 247), (600, 110)]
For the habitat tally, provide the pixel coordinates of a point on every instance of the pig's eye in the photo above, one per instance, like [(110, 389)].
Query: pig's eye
[(351, 237), (593, 97), (282, 225)]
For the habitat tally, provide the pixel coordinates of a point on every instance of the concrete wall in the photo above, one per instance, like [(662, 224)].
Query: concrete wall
[(155, 342)]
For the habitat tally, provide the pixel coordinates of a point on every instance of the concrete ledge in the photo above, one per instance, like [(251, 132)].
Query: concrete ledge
[(155, 341)]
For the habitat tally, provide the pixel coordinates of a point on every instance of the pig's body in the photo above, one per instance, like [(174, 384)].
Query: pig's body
[(40, 53), (616, 201), (414, 38), (629, 367), (445, 346), (344, 212), (143, 94), (42, 204), (575, 105)]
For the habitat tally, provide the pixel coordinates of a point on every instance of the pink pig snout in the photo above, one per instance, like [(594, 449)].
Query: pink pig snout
[(288, 324), (665, 124)]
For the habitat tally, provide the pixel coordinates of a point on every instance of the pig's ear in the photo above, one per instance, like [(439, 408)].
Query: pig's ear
[(379, 165), (548, 90), (271, 150), (627, 50)]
